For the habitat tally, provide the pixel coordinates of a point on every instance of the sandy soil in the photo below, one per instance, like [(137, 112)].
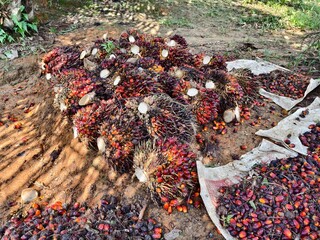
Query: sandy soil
[(42, 154)]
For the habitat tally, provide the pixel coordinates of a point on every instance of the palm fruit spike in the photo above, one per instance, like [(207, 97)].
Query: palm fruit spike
[(207, 106), (206, 63), (169, 170), (168, 118), (146, 158), (61, 58), (121, 130), (138, 83), (180, 40), (76, 83), (88, 121)]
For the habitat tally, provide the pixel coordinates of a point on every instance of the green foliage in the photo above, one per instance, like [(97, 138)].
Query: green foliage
[(263, 21), (290, 3), (304, 14), (108, 46), (310, 56), (307, 19), (21, 27), (4, 37), (4, 2)]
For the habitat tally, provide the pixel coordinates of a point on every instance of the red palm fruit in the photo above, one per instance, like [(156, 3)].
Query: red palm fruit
[(158, 230), (287, 233), (305, 231), (268, 222), (279, 198), (242, 234), (245, 222), (179, 208), (166, 206), (263, 200), (38, 213), (314, 236), (156, 235), (169, 209), (164, 199), (101, 227), (273, 175), (289, 207), (232, 222), (296, 223), (35, 206), (174, 202), (297, 204), (184, 209)]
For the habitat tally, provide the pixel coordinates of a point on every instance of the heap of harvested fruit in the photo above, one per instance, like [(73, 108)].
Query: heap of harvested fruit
[(311, 140), (278, 201), (121, 93), (110, 220), (139, 65), (286, 84)]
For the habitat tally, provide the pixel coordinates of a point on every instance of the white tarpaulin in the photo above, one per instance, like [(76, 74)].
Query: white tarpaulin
[(293, 126), (211, 179), (263, 67), (257, 67)]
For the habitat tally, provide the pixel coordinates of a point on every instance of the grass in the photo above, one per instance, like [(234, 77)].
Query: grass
[(266, 14), (291, 14), (262, 21), (303, 14), (176, 22)]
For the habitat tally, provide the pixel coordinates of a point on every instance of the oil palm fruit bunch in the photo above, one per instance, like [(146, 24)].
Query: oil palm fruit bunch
[(61, 58), (204, 101), (207, 63), (166, 118), (207, 107), (121, 130), (121, 92), (137, 82), (168, 167), (78, 89), (88, 120)]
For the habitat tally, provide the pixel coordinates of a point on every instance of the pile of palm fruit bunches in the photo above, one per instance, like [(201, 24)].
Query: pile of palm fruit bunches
[(145, 102)]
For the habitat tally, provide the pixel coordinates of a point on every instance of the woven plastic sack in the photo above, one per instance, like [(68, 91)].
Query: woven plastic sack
[(294, 125)]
